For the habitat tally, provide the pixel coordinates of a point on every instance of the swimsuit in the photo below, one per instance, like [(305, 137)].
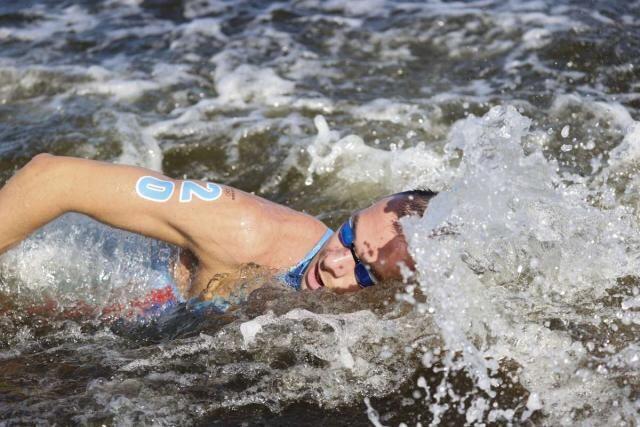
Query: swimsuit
[(165, 294), (293, 277)]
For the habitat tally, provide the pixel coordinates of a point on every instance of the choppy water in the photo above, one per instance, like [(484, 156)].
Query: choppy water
[(524, 112)]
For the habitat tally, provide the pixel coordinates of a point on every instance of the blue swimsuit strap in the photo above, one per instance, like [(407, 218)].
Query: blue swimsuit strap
[(293, 277)]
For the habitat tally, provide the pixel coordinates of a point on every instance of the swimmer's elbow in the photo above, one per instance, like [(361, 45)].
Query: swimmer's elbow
[(28, 201), (43, 177), (38, 165), (41, 168), (42, 159)]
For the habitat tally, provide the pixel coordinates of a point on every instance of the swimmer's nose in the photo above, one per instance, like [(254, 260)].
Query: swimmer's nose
[(337, 262)]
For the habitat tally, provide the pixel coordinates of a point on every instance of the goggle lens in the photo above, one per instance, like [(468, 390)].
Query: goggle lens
[(362, 273)]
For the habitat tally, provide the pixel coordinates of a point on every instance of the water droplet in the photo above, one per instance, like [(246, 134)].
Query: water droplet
[(565, 131)]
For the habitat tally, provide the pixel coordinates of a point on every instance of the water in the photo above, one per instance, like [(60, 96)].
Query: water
[(525, 305)]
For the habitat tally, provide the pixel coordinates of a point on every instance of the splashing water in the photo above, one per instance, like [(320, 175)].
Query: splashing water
[(515, 261), (524, 308)]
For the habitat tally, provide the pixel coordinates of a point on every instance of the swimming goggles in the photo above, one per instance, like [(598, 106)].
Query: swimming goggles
[(347, 236)]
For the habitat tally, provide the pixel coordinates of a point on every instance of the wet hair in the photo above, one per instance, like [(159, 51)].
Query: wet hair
[(411, 202)]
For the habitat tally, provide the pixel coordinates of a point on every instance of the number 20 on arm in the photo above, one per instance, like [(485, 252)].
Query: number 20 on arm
[(160, 190)]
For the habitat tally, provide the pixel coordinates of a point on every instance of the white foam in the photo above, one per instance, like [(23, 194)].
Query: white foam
[(130, 3), (125, 90), (385, 110), (172, 74), (337, 19), (350, 159), (356, 7), (628, 152), (154, 28), (527, 247), (536, 38), (630, 303), (253, 327), (204, 26), (372, 414), (72, 18), (75, 258), (122, 85), (196, 8), (248, 83), (506, 209), (139, 147)]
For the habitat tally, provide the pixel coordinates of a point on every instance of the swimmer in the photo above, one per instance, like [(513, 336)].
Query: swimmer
[(220, 229)]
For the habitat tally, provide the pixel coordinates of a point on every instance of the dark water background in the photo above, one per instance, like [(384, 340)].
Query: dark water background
[(324, 106)]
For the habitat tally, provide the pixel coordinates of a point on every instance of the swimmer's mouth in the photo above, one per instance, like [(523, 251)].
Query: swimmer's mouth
[(316, 271)]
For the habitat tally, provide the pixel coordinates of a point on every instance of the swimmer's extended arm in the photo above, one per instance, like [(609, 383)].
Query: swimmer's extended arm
[(50, 186)]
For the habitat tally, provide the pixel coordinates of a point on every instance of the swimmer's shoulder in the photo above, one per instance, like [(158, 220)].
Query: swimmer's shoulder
[(241, 228), (275, 235)]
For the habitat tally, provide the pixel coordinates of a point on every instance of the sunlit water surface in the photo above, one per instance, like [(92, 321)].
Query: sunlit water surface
[(527, 302)]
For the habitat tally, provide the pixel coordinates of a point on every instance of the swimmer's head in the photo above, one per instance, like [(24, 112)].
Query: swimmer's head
[(378, 243)]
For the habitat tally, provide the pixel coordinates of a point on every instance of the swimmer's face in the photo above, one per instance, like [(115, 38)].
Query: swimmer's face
[(377, 244)]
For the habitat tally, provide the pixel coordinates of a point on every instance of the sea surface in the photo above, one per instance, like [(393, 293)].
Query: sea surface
[(525, 307)]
